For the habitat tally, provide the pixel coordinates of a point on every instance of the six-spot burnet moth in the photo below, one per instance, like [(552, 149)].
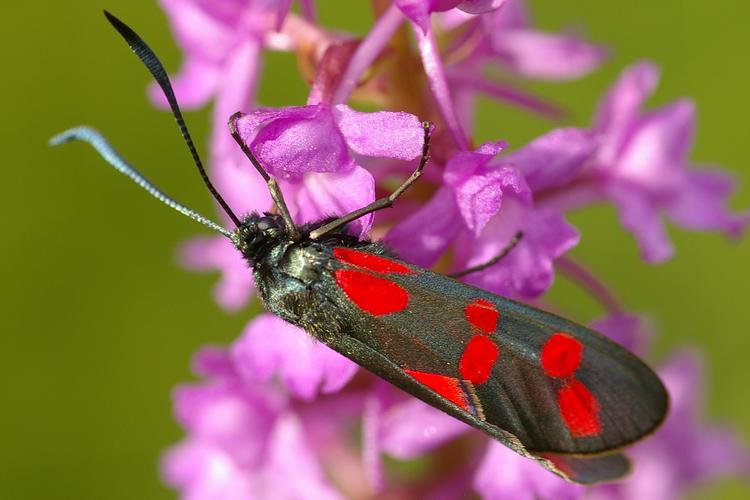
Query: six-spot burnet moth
[(549, 389)]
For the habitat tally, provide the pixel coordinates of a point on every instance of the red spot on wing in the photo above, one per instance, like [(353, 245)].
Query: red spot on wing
[(478, 359), (482, 314), (448, 387), (369, 261), (372, 294), (561, 355), (579, 410)]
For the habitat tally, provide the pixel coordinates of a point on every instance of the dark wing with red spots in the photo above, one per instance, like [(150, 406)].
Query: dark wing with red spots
[(548, 388)]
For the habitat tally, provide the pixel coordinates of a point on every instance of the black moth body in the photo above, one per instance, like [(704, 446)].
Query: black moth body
[(549, 389), (517, 405)]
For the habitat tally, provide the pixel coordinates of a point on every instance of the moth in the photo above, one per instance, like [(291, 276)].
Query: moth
[(550, 389)]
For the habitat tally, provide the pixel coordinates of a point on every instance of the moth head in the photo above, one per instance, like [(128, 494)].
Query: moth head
[(256, 231)]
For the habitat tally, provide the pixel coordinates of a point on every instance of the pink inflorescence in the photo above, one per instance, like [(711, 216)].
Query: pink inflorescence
[(274, 413)]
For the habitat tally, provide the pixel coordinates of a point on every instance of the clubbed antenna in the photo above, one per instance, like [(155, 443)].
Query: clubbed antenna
[(155, 67)]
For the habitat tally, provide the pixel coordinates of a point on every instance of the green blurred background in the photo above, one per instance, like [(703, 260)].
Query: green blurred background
[(99, 323)]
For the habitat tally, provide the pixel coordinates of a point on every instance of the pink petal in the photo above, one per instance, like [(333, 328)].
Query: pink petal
[(723, 454), (622, 103), (271, 347), (383, 134), (480, 197), (213, 362), (513, 15), (371, 443), (639, 216), (464, 164), (548, 236), (667, 464), (203, 471), (238, 85), (453, 19), (324, 195), (293, 470), (527, 271), (237, 180), (412, 428), (228, 416), (506, 474), (422, 237), (547, 56), (479, 189), (295, 140), (472, 251), (193, 86), (182, 464), (199, 29), (555, 158), (236, 285), (418, 11), (701, 203), (628, 330), (682, 374), (656, 150), (480, 6)]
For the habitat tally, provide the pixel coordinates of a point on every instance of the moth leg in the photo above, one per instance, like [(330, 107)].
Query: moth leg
[(494, 260), (273, 186), (386, 202)]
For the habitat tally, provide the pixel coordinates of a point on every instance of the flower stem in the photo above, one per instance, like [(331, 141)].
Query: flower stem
[(588, 282)]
